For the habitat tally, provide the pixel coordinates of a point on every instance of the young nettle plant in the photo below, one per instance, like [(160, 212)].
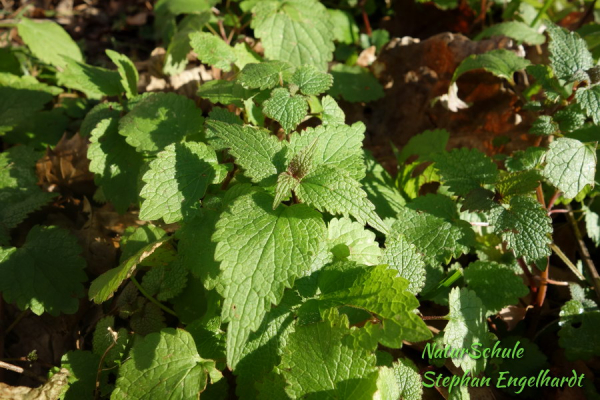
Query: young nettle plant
[(271, 245)]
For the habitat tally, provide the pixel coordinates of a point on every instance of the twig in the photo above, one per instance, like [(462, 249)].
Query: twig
[(20, 370), (152, 299), (583, 251)]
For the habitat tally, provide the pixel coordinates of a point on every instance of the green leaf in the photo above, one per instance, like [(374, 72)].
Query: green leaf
[(524, 160), (164, 364), (261, 352), (517, 30), (176, 7), (311, 81), (354, 84), (333, 190), (9, 63), (296, 31), (518, 183), (408, 379), (544, 126), (500, 62), (349, 239), (25, 277), (424, 145), (589, 100), (377, 290), (115, 164), (179, 46), (165, 281), (83, 368), (381, 190), (495, 284), (578, 329), (318, 363), (21, 98), (570, 165), (479, 199), (261, 252), (285, 184), (525, 227), (287, 109), (103, 339), (467, 325), (104, 286), (245, 55), (177, 179), (98, 113), (570, 118), (569, 55), (592, 224), (224, 92), (127, 71), (19, 193), (260, 154), (48, 41), (345, 29), (436, 238), (332, 113), (463, 170), (337, 146), (402, 256), (196, 250), (212, 50), (160, 119), (265, 75), (95, 82)]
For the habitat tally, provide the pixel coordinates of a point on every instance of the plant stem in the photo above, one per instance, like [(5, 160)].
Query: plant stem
[(525, 269), (553, 199), (114, 337), (543, 288), (433, 317), (566, 260), (152, 299), (545, 7), (583, 251)]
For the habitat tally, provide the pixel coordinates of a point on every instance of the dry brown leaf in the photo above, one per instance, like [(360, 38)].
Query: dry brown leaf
[(51, 390)]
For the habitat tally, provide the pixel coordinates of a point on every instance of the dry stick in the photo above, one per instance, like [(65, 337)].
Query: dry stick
[(20, 370), (585, 254)]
